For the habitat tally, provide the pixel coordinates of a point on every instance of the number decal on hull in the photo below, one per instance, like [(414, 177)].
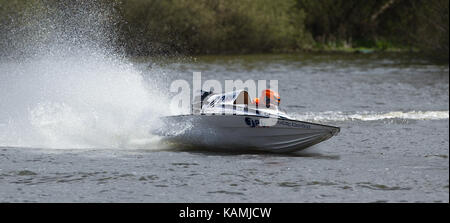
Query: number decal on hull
[(256, 123), (252, 123)]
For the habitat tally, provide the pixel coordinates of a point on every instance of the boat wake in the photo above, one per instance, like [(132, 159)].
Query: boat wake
[(330, 116)]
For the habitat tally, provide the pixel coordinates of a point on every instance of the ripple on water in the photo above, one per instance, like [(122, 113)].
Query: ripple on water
[(115, 176), (372, 186), (26, 173), (185, 165), (312, 183), (326, 183), (226, 192), (289, 184), (149, 178)]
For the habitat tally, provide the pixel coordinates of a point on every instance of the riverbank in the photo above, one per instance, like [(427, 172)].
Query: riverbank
[(143, 28)]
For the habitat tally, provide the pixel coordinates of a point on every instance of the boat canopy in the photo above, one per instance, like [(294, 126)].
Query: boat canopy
[(239, 97), (236, 102)]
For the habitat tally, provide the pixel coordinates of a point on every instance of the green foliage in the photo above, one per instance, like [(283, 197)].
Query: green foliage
[(254, 26), (432, 33), (16, 23), (205, 26)]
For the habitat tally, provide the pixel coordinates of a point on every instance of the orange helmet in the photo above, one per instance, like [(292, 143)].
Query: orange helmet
[(256, 101), (270, 97)]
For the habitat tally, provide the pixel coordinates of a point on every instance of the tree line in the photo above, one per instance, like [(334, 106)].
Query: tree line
[(148, 27)]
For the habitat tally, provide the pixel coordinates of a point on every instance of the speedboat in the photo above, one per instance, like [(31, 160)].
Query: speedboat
[(229, 121)]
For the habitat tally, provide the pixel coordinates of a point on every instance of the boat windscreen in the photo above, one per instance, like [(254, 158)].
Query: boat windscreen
[(232, 98), (242, 98)]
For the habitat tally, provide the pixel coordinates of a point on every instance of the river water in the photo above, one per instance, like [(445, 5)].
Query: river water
[(392, 110)]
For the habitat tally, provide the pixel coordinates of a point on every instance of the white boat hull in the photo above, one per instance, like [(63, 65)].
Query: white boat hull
[(243, 132)]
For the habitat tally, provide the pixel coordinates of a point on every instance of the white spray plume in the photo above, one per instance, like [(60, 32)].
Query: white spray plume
[(64, 83)]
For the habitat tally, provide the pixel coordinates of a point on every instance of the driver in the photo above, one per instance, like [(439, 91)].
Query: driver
[(268, 98)]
